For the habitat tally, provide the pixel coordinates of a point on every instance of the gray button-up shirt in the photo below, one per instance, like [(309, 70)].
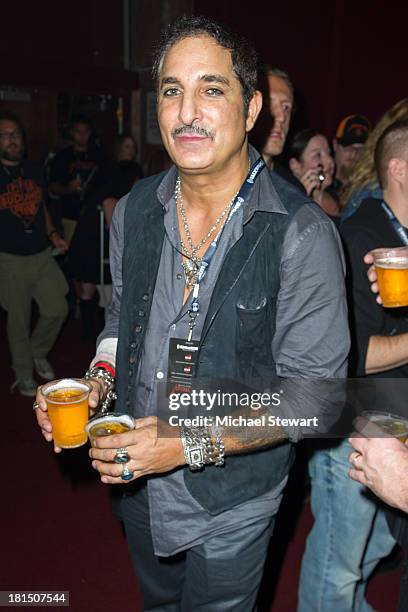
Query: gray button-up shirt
[(310, 339)]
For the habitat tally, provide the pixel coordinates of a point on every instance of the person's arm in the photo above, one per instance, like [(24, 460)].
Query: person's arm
[(380, 462), (53, 235), (386, 353), (383, 352), (108, 207), (367, 318), (107, 341), (311, 342)]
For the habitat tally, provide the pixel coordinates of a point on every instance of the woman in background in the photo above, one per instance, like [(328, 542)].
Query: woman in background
[(312, 165)]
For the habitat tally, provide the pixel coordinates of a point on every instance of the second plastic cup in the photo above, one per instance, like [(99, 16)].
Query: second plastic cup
[(392, 424), (109, 424)]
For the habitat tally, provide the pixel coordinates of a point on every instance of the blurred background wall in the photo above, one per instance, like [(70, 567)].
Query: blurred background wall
[(57, 58)]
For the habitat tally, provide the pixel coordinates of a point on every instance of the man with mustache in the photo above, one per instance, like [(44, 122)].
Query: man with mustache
[(27, 270), (208, 265)]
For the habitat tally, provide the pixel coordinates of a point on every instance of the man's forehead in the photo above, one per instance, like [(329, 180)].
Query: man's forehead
[(8, 123), (198, 52), (278, 86)]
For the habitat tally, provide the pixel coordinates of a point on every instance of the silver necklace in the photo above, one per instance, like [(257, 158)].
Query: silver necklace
[(193, 262)]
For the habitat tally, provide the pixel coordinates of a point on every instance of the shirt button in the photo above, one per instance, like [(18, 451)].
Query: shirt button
[(179, 276), (173, 327), (130, 373), (145, 297), (141, 313), (132, 360), (138, 329), (133, 345), (160, 375)]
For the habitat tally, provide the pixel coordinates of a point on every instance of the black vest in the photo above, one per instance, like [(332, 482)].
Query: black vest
[(236, 341)]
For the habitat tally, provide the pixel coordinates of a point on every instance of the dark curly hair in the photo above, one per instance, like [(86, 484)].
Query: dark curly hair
[(243, 55)]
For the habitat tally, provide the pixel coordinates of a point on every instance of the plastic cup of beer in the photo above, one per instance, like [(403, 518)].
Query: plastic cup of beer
[(391, 266), (68, 411), (392, 424), (108, 424)]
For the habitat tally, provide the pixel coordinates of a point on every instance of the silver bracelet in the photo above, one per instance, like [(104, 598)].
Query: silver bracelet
[(192, 440), (199, 449), (108, 386), (219, 448)]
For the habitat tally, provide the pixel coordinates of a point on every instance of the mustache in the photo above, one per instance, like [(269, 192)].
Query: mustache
[(192, 129)]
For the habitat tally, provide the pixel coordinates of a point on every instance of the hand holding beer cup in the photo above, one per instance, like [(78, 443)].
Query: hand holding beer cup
[(41, 409), (389, 275), (148, 449), (372, 275), (380, 458)]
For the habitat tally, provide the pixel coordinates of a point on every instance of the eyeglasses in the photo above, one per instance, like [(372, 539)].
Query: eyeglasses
[(10, 135)]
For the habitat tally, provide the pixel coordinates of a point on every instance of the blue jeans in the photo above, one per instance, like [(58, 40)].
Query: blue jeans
[(349, 537)]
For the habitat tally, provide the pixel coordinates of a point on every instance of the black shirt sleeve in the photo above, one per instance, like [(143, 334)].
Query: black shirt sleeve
[(367, 318)]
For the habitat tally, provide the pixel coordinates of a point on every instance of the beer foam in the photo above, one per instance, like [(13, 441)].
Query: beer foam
[(392, 262), (67, 383), (124, 419)]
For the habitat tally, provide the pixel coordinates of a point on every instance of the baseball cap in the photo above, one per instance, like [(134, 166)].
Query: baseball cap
[(354, 129)]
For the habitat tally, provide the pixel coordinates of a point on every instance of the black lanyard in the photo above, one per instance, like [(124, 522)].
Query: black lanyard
[(398, 228), (239, 200)]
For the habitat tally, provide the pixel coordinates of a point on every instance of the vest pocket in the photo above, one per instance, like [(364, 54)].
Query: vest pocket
[(251, 321)]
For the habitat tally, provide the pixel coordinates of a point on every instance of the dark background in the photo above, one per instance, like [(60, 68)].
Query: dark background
[(344, 56)]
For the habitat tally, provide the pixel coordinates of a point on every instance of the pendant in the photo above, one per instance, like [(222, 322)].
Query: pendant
[(190, 268)]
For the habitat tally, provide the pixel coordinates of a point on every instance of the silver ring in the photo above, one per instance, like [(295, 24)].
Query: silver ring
[(121, 455), (36, 405), (126, 473)]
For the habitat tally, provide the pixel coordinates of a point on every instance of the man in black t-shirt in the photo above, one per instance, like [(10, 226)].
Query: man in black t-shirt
[(75, 172), (27, 269), (382, 333), (351, 534)]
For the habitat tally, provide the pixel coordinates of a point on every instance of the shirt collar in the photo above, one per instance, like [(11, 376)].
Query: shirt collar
[(264, 196)]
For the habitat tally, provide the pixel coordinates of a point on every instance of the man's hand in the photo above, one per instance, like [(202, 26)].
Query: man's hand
[(42, 414), (372, 276), (380, 462), (59, 243), (149, 452)]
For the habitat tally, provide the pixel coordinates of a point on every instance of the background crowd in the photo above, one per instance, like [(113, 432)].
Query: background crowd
[(54, 223)]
